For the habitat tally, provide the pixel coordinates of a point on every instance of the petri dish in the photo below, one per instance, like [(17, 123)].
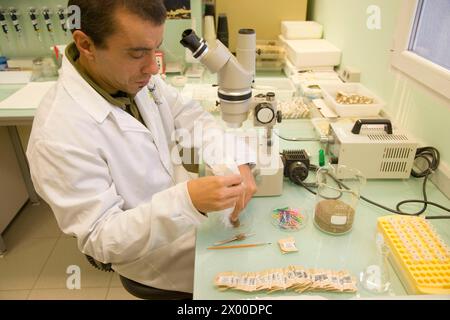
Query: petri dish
[(288, 218)]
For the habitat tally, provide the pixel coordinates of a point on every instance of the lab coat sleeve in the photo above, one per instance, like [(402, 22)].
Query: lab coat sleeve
[(205, 133), (78, 187)]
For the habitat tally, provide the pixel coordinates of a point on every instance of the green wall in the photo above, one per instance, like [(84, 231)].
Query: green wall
[(28, 44), (412, 106)]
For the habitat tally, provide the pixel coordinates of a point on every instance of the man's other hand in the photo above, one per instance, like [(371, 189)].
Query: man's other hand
[(249, 189), (215, 193)]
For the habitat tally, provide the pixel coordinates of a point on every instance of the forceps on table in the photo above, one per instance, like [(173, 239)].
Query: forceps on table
[(238, 237)]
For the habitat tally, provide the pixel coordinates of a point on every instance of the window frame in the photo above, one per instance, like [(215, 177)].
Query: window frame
[(422, 70)]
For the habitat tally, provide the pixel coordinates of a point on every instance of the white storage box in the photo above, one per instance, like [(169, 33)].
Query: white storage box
[(352, 110), (313, 89), (312, 53), (284, 89), (319, 76), (301, 30), (290, 70)]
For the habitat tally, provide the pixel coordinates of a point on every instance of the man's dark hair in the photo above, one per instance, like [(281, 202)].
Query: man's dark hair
[(97, 16)]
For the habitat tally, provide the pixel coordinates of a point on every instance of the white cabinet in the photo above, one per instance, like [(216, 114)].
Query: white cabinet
[(13, 192)]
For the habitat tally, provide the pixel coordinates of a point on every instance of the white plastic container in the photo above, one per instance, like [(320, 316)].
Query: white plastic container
[(301, 30), (15, 77), (312, 53), (270, 49), (270, 65), (284, 89), (290, 70), (352, 110), (313, 89)]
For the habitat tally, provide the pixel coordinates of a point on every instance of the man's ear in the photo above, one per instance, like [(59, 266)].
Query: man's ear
[(84, 44)]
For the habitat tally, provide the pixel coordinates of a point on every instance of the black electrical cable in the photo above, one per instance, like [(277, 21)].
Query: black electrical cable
[(432, 157), (296, 139), (301, 183), (398, 211), (308, 185)]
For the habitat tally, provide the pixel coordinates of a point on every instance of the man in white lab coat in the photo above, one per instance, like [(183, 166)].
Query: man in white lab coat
[(100, 150)]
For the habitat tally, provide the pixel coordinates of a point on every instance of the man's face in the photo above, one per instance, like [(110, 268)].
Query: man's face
[(128, 60)]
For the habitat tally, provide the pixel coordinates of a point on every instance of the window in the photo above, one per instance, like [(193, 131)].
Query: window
[(422, 43), (430, 37)]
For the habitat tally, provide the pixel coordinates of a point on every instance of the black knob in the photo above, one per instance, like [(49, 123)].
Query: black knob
[(279, 116), (298, 171)]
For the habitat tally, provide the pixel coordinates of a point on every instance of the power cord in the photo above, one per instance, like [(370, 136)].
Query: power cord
[(431, 156), (296, 139)]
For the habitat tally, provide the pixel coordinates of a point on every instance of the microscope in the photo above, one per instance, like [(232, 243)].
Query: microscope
[(235, 78)]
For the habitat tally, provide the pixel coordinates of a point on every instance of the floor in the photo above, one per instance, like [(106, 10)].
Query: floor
[(37, 264)]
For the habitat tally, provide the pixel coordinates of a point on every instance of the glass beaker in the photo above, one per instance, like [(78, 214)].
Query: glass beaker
[(375, 277), (336, 200), (48, 68), (37, 69)]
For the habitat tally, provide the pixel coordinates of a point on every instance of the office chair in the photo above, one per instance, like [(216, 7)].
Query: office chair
[(138, 289)]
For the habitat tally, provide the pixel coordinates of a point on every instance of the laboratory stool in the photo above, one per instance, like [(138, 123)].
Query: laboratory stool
[(149, 293), (140, 290)]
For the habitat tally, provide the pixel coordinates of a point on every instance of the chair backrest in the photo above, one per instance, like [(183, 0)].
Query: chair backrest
[(99, 265), (149, 293), (140, 290)]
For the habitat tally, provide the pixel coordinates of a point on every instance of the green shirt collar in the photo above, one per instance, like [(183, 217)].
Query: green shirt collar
[(120, 99)]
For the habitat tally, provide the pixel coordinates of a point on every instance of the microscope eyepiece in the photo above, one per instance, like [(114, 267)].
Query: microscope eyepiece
[(191, 41), (234, 76)]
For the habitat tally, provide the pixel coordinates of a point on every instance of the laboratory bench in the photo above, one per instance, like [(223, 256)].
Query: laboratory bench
[(9, 117), (353, 251)]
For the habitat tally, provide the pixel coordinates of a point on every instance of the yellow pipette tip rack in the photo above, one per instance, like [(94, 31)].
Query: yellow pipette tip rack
[(418, 255)]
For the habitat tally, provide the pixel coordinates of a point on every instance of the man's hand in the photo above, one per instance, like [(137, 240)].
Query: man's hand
[(215, 193), (249, 187)]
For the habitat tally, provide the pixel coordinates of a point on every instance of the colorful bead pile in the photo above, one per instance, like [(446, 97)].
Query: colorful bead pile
[(289, 218)]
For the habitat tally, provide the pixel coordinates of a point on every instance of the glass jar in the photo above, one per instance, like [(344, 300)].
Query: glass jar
[(337, 200), (48, 68), (37, 69)]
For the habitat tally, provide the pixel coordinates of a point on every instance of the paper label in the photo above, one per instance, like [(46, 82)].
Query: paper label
[(338, 220)]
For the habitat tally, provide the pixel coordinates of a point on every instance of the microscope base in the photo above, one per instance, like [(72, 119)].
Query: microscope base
[(269, 180)]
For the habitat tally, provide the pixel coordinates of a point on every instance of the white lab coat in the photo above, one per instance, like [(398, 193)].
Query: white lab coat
[(110, 180)]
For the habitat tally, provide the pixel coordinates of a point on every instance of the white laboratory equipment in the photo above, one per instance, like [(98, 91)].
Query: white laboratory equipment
[(388, 152)]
